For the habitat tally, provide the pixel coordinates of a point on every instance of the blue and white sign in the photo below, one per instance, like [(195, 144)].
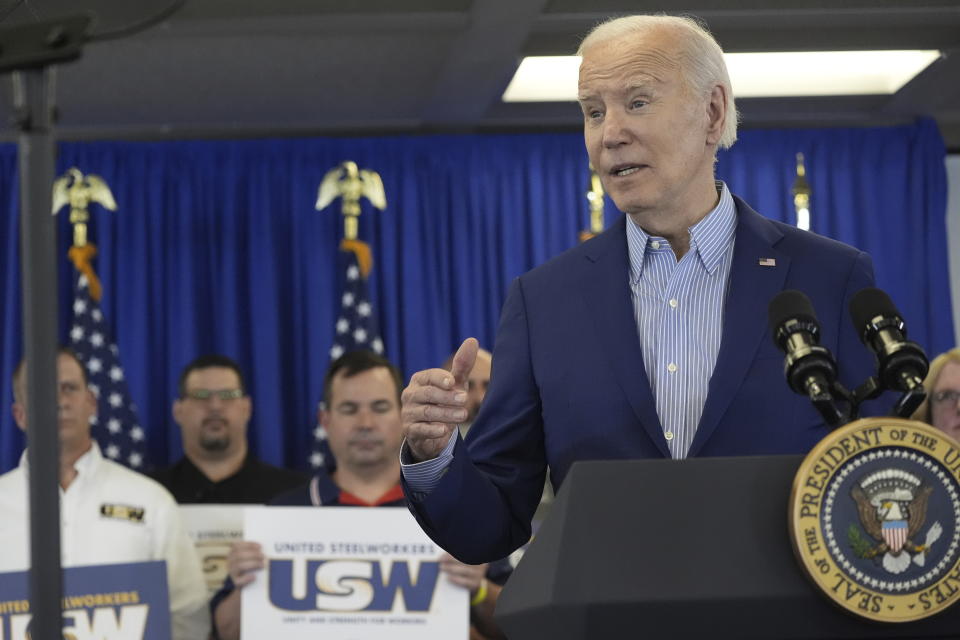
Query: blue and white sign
[(347, 572), (108, 602), (213, 528)]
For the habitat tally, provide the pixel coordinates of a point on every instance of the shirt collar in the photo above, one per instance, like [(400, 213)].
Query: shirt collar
[(195, 476), (86, 464), (324, 491), (395, 494), (709, 238)]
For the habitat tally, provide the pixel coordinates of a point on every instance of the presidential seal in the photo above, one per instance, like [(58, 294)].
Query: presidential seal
[(875, 519)]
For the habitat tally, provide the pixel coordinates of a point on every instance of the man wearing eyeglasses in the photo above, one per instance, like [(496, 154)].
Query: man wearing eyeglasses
[(942, 406), (109, 514), (213, 412)]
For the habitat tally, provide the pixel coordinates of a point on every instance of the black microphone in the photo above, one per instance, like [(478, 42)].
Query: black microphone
[(809, 367), (902, 364)]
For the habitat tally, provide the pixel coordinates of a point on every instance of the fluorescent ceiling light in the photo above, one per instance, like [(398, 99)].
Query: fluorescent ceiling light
[(753, 75), (824, 73), (544, 79)]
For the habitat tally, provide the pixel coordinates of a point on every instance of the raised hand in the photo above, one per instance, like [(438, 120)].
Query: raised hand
[(434, 403)]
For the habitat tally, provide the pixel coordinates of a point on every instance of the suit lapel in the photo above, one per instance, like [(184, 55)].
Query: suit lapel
[(752, 286), (606, 291)]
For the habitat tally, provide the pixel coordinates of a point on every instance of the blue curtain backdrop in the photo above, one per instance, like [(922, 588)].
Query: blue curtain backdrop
[(217, 247)]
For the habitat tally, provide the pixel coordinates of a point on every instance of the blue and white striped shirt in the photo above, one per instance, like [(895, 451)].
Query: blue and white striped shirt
[(678, 308)]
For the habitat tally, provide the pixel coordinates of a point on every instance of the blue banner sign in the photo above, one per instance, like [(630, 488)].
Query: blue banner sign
[(109, 602)]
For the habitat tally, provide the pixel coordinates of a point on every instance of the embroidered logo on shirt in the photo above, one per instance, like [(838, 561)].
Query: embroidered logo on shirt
[(122, 512)]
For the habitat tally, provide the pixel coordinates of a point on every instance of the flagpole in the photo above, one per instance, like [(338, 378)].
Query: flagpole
[(801, 195), (356, 326), (595, 201), (115, 427)]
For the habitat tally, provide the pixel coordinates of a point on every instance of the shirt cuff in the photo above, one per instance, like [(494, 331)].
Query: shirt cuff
[(423, 477)]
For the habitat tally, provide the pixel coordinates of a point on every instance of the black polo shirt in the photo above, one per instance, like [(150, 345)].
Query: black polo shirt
[(254, 483)]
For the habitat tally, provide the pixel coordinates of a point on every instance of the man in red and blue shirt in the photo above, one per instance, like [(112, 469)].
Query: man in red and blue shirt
[(361, 414)]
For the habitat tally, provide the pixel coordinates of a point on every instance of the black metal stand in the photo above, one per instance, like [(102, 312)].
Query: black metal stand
[(38, 235), (29, 51)]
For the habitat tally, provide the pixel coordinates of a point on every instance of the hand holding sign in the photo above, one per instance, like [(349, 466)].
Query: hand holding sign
[(243, 561), (468, 576)]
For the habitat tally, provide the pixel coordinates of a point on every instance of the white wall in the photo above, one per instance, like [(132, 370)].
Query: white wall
[(953, 237)]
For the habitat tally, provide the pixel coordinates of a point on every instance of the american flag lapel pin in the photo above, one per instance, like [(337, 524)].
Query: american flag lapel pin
[(768, 262)]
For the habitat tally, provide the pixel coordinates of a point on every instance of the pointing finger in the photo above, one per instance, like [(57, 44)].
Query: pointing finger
[(464, 360)]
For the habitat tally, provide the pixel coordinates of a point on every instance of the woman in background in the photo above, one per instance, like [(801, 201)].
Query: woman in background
[(942, 406)]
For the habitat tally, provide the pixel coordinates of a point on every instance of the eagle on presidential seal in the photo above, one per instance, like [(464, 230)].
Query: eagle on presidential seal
[(892, 505)]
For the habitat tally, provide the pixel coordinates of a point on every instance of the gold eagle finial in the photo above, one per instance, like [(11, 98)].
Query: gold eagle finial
[(350, 184), (79, 191)]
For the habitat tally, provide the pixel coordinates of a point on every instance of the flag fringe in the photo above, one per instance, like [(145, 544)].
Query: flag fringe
[(81, 257), (362, 251)]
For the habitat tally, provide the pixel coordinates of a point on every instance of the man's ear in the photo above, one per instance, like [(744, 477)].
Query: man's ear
[(716, 113), (19, 415)]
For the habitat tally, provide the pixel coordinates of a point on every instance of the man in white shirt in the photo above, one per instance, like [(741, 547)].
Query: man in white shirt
[(108, 513)]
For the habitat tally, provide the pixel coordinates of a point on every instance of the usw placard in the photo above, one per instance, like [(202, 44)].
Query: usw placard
[(346, 572), (109, 602)]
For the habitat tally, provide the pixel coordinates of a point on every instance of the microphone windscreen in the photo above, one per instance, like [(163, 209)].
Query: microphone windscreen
[(867, 304), (787, 305)]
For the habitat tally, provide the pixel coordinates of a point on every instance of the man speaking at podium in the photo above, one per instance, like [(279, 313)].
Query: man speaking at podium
[(648, 341)]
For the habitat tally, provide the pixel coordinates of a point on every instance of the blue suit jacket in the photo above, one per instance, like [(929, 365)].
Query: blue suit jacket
[(569, 381)]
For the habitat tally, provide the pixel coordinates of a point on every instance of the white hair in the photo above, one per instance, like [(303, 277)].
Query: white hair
[(701, 58)]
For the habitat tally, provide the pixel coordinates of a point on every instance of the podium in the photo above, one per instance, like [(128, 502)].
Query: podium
[(669, 549)]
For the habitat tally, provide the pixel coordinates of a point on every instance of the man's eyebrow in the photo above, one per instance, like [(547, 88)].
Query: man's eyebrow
[(634, 87), (585, 97), (645, 87)]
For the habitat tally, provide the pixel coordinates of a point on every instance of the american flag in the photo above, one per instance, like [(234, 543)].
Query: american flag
[(115, 427), (356, 328)]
